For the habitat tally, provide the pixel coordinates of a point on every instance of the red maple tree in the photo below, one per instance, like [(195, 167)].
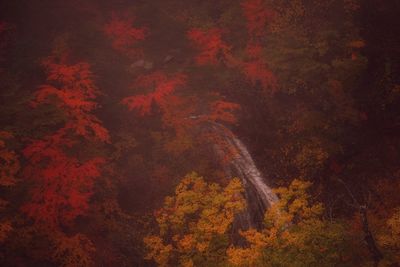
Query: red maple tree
[(124, 35), (161, 84), (75, 91), (180, 112), (212, 49), (62, 183), (209, 43), (256, 69)]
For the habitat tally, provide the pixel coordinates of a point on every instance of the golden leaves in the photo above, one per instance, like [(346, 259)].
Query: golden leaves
[(196, 216), (74, 251), (159, 252), (389, 238), (295, 234)]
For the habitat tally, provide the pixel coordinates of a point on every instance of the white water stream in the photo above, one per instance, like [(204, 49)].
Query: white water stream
[(259, 195)]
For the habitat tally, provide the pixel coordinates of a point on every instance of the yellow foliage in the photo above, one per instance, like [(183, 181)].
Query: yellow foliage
[(186, 243), (74, 251), (196, 216), (311, 155), (295, 234), (159, 252), (389, 239)]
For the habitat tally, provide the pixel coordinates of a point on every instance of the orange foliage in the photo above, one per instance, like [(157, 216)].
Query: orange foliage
[(124, 36), (74, 251), (209, 43)]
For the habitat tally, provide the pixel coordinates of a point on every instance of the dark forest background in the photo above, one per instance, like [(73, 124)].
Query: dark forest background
[(102, 107)]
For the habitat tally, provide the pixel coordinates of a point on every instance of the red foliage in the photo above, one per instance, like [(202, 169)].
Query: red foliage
[(176, 110), (162, 86), (211, 47), (222, 111), (124, 36), (257, 71), (62, 183), (75, 90), (257, 16), (210, 44), (180, 113)]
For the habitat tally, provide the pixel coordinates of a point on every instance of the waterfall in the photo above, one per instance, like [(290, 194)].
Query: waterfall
[(259, 196)]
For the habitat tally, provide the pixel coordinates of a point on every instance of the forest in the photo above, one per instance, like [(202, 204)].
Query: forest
[(199, 133)]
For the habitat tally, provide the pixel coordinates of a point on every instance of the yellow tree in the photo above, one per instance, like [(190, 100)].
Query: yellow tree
[(193, 223), (388, 236), (295, 234)]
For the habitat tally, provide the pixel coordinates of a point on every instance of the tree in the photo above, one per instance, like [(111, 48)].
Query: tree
[(63, 183), (179, 112), (210, 45), (295, 234), (213, 50), (389, 238), (124, 35), (194, 223)]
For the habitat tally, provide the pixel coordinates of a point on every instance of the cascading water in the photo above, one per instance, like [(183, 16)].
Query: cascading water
[(240, 164)]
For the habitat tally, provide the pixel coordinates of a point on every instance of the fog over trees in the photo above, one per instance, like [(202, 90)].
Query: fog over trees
[(199, 133)]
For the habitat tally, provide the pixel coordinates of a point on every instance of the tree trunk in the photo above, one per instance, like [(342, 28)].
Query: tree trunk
[(368, 238)]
